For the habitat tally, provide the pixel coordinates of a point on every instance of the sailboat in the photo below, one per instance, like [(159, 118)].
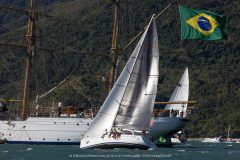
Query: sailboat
[(129, 105), (229, 139), (170, 124)]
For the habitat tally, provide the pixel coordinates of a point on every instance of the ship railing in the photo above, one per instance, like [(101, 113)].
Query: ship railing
[(169, 113), (161, 113), (68, 111)]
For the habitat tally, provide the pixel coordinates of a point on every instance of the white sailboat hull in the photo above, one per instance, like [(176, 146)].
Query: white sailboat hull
[(38, 130), (125, 141)]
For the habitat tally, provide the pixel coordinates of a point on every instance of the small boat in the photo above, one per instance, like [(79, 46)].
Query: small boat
[(175, 141), (123, 121), (213, 140), (178, 138)]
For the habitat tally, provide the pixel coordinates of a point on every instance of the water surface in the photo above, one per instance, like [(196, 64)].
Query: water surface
[(188, 151)]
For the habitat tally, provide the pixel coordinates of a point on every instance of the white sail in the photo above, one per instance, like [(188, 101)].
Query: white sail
[(138, 100), (133, 74), (181, 93)]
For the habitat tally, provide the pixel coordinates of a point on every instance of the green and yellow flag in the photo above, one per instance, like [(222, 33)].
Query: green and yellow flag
[(201, 24)]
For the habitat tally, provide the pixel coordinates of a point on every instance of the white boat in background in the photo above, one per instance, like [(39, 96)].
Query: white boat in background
[(229, 139), (130, 103), (213, 140), (175, 141)]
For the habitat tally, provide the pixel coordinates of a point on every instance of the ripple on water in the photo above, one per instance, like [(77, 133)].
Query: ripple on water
[(29, 149), (203, 152), (181, 150)]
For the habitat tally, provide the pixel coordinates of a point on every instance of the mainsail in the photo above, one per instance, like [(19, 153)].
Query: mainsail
[(180, 93), (131, 100)]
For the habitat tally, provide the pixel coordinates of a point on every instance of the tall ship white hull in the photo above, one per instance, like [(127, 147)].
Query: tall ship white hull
[(37, 130)]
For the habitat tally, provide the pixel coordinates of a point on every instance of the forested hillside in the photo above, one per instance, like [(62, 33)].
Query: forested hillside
[(78, 27)]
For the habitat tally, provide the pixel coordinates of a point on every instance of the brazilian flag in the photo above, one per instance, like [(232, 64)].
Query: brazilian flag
[(201, 24)]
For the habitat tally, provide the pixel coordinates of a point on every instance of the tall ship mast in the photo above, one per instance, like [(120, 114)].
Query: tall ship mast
[(30, 53), (30, 49), (114, 48)]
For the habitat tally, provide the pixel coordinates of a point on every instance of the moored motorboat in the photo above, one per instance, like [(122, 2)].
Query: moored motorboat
[(213, 140)]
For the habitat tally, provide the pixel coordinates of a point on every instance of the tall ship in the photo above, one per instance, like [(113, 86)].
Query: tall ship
[(49, 125)]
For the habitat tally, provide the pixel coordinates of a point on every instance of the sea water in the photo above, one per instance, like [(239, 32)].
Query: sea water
[(188, 151)]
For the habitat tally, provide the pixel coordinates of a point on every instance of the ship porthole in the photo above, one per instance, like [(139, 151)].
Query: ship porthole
[(69, 139), (63, 122), (9, 134), (44, 139), (29, 138), (77, 124), (88, 124), (58, 139)]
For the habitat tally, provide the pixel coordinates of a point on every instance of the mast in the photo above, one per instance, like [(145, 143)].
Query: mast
[(114, 48), (30, 47), (30, 53), (228, 135)]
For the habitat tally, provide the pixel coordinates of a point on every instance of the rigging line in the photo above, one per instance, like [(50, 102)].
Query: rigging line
[(72, 49), (121, 56), (142, 31), (78, 51), (67, 47), (85, 96)]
